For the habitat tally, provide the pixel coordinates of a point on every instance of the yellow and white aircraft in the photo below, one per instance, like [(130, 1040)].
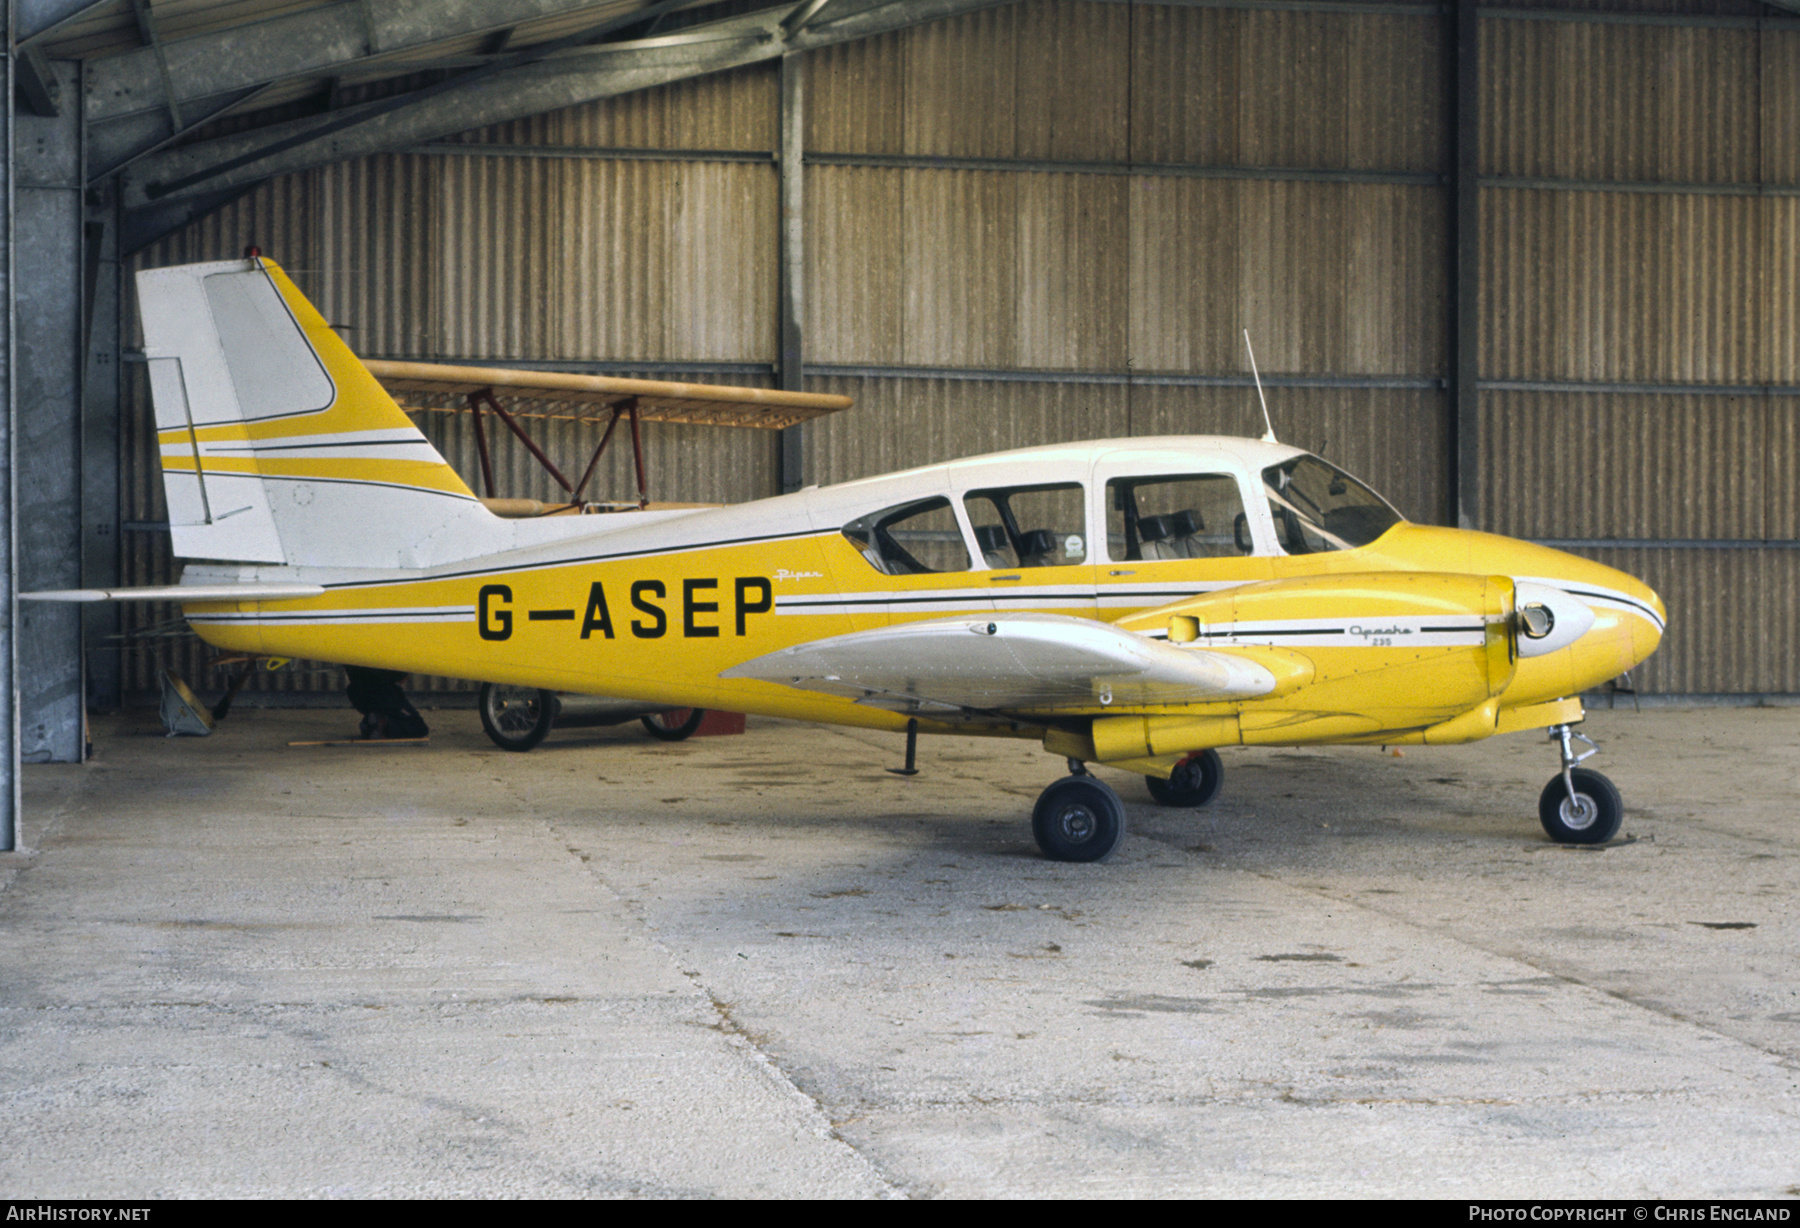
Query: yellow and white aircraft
[(1134, 603)]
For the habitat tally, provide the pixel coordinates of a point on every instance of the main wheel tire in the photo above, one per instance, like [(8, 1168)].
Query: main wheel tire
[(1078, 819), (1194, 783), (1593, 818), (516, 717), (674, 726)]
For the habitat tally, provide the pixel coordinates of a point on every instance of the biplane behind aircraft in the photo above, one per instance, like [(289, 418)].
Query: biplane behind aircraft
[(1133, 603)]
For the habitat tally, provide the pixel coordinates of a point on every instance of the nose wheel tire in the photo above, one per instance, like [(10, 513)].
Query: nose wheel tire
[(516, 717), (673, 726), (1078, 819), (1593, 817), (1194, 782)]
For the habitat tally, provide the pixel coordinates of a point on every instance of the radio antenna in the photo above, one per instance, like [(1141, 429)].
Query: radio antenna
[(1269, 427)]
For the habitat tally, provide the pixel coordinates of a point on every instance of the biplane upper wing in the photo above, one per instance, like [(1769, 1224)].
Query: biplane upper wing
[(1008, 663), (559, 393)]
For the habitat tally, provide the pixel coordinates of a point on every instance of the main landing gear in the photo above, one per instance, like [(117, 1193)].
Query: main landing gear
[(1080, 818), (1579, 806), (1194, 782)]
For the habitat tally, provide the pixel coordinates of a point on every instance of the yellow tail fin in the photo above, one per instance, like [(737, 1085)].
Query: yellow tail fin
[(277, 444)]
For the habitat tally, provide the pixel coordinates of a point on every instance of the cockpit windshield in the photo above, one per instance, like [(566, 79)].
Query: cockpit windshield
[(1318, 507)]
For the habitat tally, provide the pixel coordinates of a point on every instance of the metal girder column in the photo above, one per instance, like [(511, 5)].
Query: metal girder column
[(101, 562), (47, 292), (793, 262), (1464, 90), (9, 572)]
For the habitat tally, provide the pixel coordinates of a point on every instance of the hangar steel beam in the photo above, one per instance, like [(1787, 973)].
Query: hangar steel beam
[(311, 43), (487, 70), (9, 562), (248, 158), (37, 81), (146, 24), (101, 559), (36, 19), (48, 218), (123, 126), (793, 260), (115, 145)]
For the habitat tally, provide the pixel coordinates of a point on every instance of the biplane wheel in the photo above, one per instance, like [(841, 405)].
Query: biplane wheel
[(1593, 817), (1194, 783), (1078, 818), (674, 726), (516, 717)]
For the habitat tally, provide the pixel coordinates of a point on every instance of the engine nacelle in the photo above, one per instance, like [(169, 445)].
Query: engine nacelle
[(1360, 655)]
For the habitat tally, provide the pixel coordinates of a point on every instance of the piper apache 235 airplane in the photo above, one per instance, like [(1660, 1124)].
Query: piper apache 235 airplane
[(1135, 603)]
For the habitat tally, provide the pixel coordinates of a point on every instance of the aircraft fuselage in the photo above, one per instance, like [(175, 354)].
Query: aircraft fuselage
[(657, 610)]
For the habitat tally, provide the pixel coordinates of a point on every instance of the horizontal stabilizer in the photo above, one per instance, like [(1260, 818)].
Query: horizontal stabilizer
[(183, 593), (1012, 662)]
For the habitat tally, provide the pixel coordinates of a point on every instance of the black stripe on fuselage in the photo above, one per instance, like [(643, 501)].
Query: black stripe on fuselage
[(804, 603), (322, 616), (1633, 602), (1242, 631)]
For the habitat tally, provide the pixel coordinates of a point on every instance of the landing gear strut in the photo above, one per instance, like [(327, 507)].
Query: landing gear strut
[(1079, 818), (1579, 806)]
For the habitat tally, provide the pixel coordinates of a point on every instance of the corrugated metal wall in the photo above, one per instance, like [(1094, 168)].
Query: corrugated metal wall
[(1659, 255), (1282, 170)]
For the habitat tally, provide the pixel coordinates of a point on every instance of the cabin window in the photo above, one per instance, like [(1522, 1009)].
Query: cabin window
[(1189, 516), (912, 539), (1318, 507), (1030, 526)]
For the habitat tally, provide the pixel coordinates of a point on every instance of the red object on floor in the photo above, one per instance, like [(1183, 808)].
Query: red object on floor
[(716, 723)]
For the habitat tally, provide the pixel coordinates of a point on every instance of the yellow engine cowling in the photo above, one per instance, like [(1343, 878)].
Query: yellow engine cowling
[(1413, 656)]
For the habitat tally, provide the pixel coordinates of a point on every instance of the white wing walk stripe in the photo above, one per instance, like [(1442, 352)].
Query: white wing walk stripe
[(338, 618)]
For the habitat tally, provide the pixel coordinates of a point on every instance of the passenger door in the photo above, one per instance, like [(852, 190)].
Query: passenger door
[(1172, 534)]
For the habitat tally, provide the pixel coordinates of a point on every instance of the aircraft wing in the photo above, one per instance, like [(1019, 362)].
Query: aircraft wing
[(561, 394), (1009, 662)]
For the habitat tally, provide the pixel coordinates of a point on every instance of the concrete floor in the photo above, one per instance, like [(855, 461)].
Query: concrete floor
[(761, 965)]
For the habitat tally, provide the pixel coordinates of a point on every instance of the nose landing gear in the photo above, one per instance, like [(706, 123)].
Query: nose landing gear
[(1579, 806)]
